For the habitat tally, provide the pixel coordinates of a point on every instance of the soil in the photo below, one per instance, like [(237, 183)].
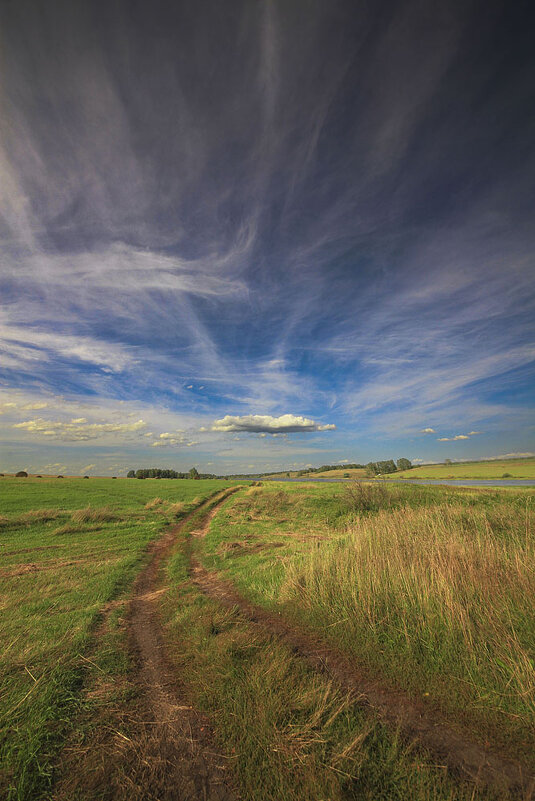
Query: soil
[(463, 755), (197, 771)]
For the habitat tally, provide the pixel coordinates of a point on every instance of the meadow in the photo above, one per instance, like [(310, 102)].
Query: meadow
[(68, 547), (430, 588), (425, 590)]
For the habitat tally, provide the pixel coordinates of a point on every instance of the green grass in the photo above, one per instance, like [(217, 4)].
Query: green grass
[(292, 735), (434, 592), (427, 588), (496, 468), (67, 547)]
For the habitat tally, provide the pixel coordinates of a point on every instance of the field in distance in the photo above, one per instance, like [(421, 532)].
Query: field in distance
[(341, 473), (496, 468)]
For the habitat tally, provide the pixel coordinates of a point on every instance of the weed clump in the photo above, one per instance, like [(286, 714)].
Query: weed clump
[(67, 529), (90, 515), (176, 509), (362, 496), (39, 516), (153, 503)]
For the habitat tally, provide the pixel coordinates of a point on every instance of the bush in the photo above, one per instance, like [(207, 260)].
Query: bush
[(507, 475), (21, 474), (365, 497)]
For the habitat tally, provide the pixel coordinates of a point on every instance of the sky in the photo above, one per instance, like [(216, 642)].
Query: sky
[(245, 236)]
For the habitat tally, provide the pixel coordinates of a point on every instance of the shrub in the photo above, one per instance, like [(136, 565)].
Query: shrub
[(59, 476), (21, 474), (86, 476), (364, 497), (507, 475)]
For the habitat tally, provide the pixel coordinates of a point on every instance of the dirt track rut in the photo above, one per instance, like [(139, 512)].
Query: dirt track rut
[(190, 766), (466, 757)]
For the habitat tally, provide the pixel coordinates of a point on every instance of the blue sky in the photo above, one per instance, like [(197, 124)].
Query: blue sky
[(245, 236)]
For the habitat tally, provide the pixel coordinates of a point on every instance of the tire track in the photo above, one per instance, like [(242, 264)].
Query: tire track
[(464, 756), (191, 769)]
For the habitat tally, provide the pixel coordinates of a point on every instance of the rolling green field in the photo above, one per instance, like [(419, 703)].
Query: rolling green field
[(67, 548), (427, 590), (495, 468)]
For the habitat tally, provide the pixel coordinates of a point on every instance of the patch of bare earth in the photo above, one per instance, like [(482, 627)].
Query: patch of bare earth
[(461, 754), (154, 746)]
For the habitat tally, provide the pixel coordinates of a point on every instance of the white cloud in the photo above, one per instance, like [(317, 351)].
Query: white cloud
[(453, 439), (473, 433), (168, 438), (27, 407), (256, 423), (77, 429), (428, 431)]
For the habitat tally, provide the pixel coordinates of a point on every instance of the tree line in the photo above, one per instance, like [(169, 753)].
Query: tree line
[(387, 466), (157, 472)]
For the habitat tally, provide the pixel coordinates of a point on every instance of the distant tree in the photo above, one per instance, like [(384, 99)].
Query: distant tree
[(448, 461), (403, 464), (60, 476), (21, 474), (193, 473), (131, 474), (86, 476), (372, 469)]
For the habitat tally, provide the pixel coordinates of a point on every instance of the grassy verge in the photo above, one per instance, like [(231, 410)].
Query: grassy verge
[(63, 557), (433, 592), (292, 735)]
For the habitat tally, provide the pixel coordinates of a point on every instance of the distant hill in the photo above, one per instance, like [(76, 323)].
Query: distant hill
[(495, 468)]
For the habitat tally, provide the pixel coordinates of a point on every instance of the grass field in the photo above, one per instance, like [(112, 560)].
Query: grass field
[(495, 468), (428, 590), (349, 472), (429, 587), (67, 548)]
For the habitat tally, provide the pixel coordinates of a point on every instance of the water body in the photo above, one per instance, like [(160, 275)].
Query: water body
[(451, 482)]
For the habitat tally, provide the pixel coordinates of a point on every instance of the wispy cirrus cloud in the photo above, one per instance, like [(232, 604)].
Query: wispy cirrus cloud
[(325, 225)]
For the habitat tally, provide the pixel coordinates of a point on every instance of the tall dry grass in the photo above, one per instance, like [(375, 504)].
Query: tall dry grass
[(441, 598), (91, 514)]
